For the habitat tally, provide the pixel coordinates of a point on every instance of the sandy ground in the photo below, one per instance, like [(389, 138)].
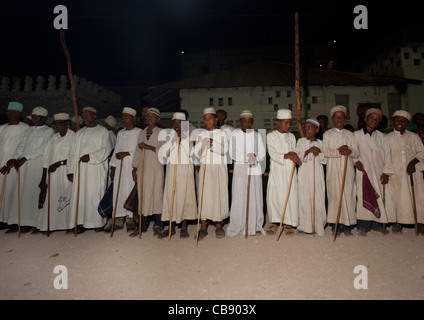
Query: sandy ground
[(296, 267)]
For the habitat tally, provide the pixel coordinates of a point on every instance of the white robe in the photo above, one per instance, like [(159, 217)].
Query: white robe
[(126, 141), (332, 140), (10, 137), (279, 179), (305, 179), (403, 149), (184, 204), (153, 173), (57, 149), (93, 141), (215, 182), (32, 148), (241, 145), (374, 154)]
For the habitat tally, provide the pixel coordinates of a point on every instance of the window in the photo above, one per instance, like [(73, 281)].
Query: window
[(414, 49), (314, 99), (406, 55), (417, 62), (277, 94), (270, 101), (220, 101), (308, 106), (210, 101), (422, 55), (288, 93), (290, 106), (275, 107), (230, 101)]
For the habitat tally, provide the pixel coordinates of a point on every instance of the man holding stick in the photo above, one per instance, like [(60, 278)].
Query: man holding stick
[(88, 160)]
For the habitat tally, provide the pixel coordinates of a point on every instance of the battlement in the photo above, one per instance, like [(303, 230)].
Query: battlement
[(55, 94)]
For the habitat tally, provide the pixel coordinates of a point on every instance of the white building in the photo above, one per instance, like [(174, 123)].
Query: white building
[(265, 87)]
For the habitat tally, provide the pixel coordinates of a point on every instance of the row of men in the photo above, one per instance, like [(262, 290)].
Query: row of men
[(75, 168)]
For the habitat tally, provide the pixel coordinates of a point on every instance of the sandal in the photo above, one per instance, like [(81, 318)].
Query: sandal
[(271, 229), (184, 234), (289, 230), (220, 233), (165, 234), (202, 234), (157, 230)]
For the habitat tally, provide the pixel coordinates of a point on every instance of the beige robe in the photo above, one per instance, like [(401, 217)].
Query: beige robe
[(332, 140), (374, 154), (184, 206), (153, 173), (403, 149), (213, 167)]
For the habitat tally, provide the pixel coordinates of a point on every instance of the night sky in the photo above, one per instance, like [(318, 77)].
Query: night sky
[(140, 42)]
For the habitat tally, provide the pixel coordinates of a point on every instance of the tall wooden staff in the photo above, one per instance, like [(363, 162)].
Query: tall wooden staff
[(297, 79), (287, 199), (19, 202), (71, 78), (199, 209), (116, 199), (341, 197), (78, 194), (313, 204), (384, 204), (414, 204), (173, 189), (247, 203), (140, 198), (48, 206)]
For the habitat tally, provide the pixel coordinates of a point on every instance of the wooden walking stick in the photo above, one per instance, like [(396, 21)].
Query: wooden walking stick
[(2, 190), (287, 199), (313, 204), (116, 200), (414, 204), (78, 194), (19, 203), (140, 200), (48, 206), (341, 197), (199, 209), (384, 203), (173, 189), (247, 202)]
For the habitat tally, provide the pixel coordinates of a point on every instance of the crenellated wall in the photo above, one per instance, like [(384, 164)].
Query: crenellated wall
[(54, 94)]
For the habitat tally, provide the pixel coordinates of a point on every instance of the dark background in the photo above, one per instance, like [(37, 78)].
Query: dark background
[(140, 42)]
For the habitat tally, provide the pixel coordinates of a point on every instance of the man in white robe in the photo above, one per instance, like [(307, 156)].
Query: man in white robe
[(11, 135), (28, 159), (339, 143), (123, 155), (281, 145), (309, 149), (54, 163), (407, 152), (374, 160), (87, 168), (247, 150), (153, 173), (211, 147), (179, 168)]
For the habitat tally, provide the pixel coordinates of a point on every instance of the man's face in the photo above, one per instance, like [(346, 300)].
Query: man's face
[(127, 120), (176, 125), (323, 122), (38, 120), (210, 121), (419, 121), (339, 119), (310, 130), (284, 125), (221, 116), (400, 123), (246, 123), (88, 117), (13, 115), (152, 119), (372, 121), (59, 126)]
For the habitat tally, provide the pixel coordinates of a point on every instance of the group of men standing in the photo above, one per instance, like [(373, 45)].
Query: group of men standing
[(56, 181)]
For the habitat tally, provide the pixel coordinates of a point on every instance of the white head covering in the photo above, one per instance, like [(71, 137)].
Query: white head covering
[(313, 121), (284, 114), (246, 114), (40, 111), (91, 109), (61, 116), (14, 105), (402, 113), (154, 110), (179, 116), (130, 111), (338, 108), (110, 121), (209, 111), (373, 110)]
